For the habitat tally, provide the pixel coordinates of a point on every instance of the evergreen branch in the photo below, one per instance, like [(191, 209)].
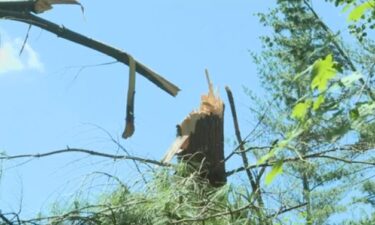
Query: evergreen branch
[(93, 210), (196, 219)]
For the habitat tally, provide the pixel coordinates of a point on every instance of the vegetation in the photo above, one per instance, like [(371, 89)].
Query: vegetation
[(312, 150)]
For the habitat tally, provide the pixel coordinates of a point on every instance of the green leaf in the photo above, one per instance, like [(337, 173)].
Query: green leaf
[(276, 170), (300, 110), (318, 102), (358, 11), (349, 80), (354, 114), (323, 71)]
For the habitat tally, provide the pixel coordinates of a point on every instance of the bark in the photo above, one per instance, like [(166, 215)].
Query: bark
[(307, 197)]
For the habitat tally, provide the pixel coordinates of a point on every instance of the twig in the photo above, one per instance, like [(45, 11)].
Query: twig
[(122, 148), (346, 160), (314, 155), (6, 220), (25, 40), (281, 211), (114, 178)]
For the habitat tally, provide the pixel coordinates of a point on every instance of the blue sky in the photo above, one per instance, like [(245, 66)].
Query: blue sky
[(47, 103)]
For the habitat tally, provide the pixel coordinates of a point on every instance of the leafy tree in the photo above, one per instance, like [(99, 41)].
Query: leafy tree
[(315, 91)]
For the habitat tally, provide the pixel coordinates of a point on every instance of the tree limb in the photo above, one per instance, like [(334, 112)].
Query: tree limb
[(89, 152), (61, 31), (298, 158), (239, 139)]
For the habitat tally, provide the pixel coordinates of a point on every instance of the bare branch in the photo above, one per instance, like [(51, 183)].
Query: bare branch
[(298, 158), (90, 152), (284, 210), (346, 160), (239, 138), (5, 220)]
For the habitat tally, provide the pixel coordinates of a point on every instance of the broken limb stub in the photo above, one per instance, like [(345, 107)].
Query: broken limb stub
[(36, 6), (200, 139)]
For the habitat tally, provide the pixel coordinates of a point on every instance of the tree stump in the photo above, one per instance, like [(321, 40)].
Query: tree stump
[(200, 139)]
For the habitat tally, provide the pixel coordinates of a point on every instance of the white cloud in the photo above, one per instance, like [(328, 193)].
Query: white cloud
[(33, 61), (11, 61)]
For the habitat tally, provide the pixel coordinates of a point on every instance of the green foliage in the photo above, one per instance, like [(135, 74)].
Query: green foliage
[(322, 72), (318, 98), (276, 170), (301, 109), (319, 101), (359, 11), (168, 199), (361, 16)]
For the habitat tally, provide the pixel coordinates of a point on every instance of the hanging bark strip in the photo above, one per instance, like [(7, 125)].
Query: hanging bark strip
[(129, 127), (200, 139)]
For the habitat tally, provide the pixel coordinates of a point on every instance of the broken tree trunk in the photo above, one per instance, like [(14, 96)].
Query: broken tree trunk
[(200, 139)]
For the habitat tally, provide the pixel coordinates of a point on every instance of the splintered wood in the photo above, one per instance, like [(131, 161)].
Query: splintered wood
[(200, 138), (44, 5)]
